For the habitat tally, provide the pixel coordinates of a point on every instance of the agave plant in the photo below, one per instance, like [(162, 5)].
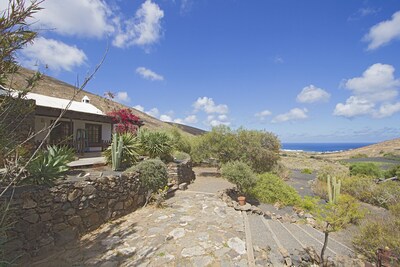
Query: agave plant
[(130, 150), (155, 144), (49, 165)]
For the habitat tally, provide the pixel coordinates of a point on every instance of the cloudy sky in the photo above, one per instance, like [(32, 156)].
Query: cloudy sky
[(309, 71)]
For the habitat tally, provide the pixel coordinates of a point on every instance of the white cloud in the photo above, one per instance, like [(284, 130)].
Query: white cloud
[(214, 121), (373, 93), (54, 54), (376, 84), (384, 32), (208, 105), (153, 112), (191, 119), (85, 18), (166, 118), (143, 30), (387, 110), (312, 94), (293, 114), (139, 107), (279, 60), (263, 114), (122, 97), (354, 106), (149, 74)]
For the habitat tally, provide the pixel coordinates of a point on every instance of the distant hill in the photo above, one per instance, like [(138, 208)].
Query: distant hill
[(375, 150), (56, 88), (188, 129)]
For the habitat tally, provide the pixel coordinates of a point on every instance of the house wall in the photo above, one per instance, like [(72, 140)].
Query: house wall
[(42, 122)]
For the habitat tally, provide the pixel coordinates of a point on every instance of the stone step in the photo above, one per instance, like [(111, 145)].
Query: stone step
[(265, 248), (333, 245)]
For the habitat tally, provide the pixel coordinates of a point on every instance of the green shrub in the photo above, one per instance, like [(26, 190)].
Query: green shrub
[(130, 150), (181, 156), (240, 174), (365, 168), (309, 203), (180, 142), (307, 171), (381, 232), (365, 189), (155, 144), (49, 165), (258, 149), (152, 174), (271, 189), (394, 171)]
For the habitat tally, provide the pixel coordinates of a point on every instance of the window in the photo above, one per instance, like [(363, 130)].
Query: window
[(93, 133), (62, 133)]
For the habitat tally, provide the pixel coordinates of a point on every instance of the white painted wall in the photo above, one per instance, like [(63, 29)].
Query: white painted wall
[(41, 122)]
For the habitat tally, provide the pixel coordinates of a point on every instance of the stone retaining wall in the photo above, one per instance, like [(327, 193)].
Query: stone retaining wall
[(180, 172), (47, 217)]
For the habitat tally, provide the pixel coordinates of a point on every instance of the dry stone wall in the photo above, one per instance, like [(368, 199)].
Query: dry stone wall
[(52, 217), (180, 172)]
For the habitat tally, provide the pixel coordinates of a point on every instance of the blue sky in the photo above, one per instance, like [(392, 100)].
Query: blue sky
[(309, 71)]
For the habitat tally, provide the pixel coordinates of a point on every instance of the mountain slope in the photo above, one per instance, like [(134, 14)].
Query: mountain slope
[(53, 87), (375, 150)]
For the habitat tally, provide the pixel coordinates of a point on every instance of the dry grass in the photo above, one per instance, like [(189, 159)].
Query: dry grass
[(301, 161)]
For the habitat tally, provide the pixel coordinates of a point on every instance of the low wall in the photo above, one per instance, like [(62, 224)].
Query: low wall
[(180, 172), (52, 217)]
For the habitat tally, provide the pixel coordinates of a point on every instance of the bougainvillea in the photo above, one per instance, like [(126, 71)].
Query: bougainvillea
[(125, 121)]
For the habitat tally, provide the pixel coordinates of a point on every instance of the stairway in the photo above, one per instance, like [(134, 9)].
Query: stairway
[(275, 242)]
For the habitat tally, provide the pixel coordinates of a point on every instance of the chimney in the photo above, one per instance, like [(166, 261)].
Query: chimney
[(86, 99)]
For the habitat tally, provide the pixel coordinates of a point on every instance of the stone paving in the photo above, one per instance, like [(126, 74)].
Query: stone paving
[(194, 229)]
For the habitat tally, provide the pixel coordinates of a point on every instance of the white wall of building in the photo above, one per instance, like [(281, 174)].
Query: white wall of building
[(42, 122)]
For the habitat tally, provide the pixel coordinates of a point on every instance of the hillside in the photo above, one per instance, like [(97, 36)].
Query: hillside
[(375, 150), (188, 129), (53, 87)]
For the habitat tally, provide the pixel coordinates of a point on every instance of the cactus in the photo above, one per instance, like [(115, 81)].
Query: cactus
[(333, 189), (116, 151)]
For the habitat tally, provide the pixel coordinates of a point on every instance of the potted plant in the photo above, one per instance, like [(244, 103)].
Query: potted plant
[(240, 174)]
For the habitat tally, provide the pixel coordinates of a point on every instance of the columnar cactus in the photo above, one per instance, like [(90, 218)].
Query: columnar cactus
[(116, 151), (333, 189)]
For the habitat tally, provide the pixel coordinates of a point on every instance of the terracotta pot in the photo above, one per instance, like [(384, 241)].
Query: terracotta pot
[(242, 200)]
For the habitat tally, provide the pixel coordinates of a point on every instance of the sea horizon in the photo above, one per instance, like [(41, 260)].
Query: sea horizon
[(323, 147)]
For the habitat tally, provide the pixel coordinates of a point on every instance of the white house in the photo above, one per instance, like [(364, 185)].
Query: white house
[(83, 125)]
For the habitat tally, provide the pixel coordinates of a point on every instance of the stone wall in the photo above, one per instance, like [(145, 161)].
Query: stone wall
[(180, 172), (47, 217)]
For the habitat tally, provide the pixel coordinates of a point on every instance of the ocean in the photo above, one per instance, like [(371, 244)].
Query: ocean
[(322, 147)]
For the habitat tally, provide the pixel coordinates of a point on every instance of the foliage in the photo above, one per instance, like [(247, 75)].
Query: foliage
[(333, 189), (380, 232), (49, 165), (181, 156), (259, 149), (152, 174), (130, 150), (281, 170), (125, 121), (365, 168), (309, 203), (331, 170), (180, 142), (336, 215), (155, 144), (392, 172), (306, 171), (365, 189), (240, 174), (116, 151), (271, 189), (15, 34)]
